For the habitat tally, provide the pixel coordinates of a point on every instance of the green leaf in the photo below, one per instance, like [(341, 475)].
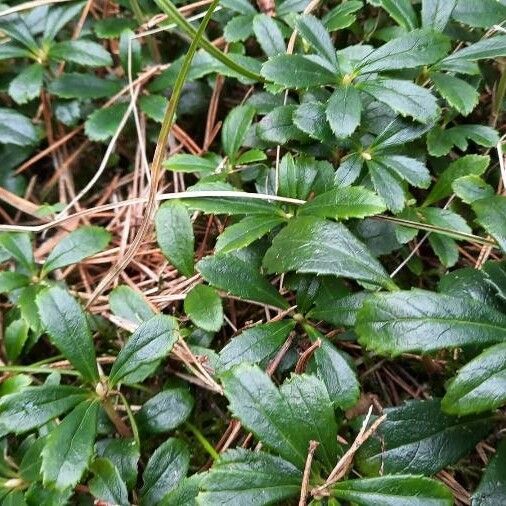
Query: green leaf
[(165, 411), (124, 454), (185, 492), (335, 369), (437, 13), (147, 346), (393, 491), (268, 35), (284, 419), (323, 247), (342, 15), (16, 129), (239, 28), (411, 170), (165, 469), (190, 163), (338, 311), (235, 127), (239, 278), (154, 107), (494, 47), (402, 12), (492, 488), (479, 385), (490, 214), (278, 126), (246, 231), (440, 141), (343, 203), (297, 71), (311, 119), (203, 306), (58, 17), (130, 304), (415, 49), (484, 13), (422, 321), (18, 245), (111, 28), (103, 123), (83, 52), (10, 50), (69, 447), (31, 464), (256, 344), (10, 281), (471, 188), (27, 84), (469, 164), (14, 26), (418, 438), (76, 85), (247, 477), (107, 484), (76, 246), (15, 337), (343, 111), (65, 322), (34, 406), (458, 93), (174, 234), (388, 185), (312, 30), (404, 97)]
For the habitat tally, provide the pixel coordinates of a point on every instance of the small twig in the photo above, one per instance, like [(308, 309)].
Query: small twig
[(304, 358), (313, 445)]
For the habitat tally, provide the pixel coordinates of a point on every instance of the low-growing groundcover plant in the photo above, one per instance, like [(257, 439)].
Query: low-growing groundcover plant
[(252, 253)]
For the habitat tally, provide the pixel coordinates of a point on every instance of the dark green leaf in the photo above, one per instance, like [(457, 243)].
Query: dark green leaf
[(124, 454), (245, 232), (343, 111), (252, 478), (107, 484), (342, 15), (278, 126), (469, 164), (437, 13), (18, 246), (471, 188), (75, 85), (203, 306), (343, 203), (76, 246), (35, 406), (284, 419), (324, 247), (235, 127), (130, 304), (418, 438), (298, 71), (239, 278), (313, 31), (190, 163), (154, 107), (147, 346), (268, 35), (479, 385), (401, 11), (16, 128), (490, 214), (103, 123), (83, 52), (482, 13), (12, 280), (419, 320), (492, 488), (394, 491), (165, 411), (165, 469), (255, 344), (65, 322), (15, 337), (174, 234), (415, 49), (458, 93), (311, 119), (69, 447), (27, 84)]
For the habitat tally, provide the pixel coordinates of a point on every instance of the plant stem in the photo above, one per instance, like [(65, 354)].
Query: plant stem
[(37, 370), (131, 418), (203, 441), (121, 426), (171, 11)]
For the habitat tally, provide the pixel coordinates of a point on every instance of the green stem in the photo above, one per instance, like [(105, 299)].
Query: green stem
[(171, 11), (139, 16), (203, 441), (37, 370), (131, 419)]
